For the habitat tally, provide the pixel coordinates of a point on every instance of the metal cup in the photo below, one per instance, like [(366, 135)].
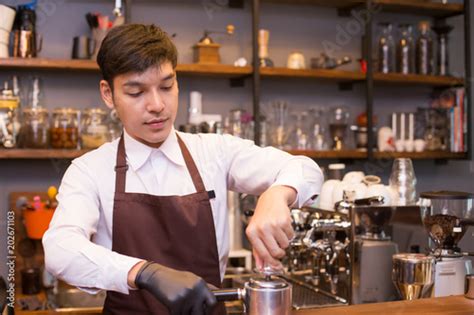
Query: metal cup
[(82, 47), (413, 275)]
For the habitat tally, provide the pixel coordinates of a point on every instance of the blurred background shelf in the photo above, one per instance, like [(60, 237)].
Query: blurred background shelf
[(417, 79), (321, 74), (416, 7), (427, 155), (220, 70), (40, 154), (346, 154)]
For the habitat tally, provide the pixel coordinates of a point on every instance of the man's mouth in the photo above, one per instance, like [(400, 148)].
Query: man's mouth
[(156, 122)]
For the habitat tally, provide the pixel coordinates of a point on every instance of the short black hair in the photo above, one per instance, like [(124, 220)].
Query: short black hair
[(134, 48)]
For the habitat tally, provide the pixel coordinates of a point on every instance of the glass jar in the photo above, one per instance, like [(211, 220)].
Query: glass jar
[(64, 131), (34, 129), (9, 125), (406, 50), (94, 128)]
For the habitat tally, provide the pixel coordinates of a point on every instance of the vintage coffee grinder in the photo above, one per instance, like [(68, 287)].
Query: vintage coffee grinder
[(372, 249), (446, 216)]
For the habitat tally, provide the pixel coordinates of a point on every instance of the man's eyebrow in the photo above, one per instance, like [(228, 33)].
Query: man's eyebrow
[(169, 76), (133, 84)]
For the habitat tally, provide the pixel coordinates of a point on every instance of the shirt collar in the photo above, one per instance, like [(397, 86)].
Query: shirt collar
[(138, 153)]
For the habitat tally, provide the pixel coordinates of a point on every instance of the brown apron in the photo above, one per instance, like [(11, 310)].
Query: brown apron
[(175, 231)]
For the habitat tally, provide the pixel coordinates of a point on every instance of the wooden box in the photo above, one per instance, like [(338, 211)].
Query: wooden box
[(206, 53)]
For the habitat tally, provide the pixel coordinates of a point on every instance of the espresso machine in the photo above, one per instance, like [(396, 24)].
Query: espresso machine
[(337, 252), (446, 217)]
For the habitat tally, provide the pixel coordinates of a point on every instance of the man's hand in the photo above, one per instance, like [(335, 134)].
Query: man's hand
[(180, 291), (270, 230)]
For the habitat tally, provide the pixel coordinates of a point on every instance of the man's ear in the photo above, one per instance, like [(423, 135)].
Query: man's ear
[(106, 93)]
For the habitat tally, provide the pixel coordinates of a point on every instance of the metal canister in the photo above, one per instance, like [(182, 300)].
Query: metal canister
[(268, 295), (413, 275)]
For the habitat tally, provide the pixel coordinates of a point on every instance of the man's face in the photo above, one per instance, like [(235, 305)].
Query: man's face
[(145, 102)]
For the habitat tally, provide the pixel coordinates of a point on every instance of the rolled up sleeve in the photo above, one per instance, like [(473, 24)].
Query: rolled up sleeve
[(70, 255), (252, 170)]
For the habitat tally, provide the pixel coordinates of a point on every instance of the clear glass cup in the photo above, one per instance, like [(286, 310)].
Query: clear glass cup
[(279, 126), (338, 122), (300, 137), (319, 139), (35, 128), (403, 182)]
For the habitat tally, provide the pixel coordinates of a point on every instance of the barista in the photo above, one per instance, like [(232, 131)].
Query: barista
[(144, 217)]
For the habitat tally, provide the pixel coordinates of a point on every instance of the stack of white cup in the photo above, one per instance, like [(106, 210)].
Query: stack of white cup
[(7, 17)]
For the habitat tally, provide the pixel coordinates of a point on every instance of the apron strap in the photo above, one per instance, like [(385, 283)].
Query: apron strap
[(192, 169), (121, 167)]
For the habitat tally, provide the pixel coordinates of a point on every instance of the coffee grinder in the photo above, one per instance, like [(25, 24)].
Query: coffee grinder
[(372, 249), (446, 216)]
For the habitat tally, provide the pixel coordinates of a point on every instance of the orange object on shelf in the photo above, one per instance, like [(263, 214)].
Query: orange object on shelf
[(37, 221)]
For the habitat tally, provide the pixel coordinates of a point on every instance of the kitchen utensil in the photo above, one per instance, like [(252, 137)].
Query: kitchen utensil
[(413, 275), (82, 47), (262, 295)]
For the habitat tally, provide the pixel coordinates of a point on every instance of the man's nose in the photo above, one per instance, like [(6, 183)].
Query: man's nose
[(155, 102)]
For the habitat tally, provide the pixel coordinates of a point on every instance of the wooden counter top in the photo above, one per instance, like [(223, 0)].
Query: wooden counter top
[(453, 305)]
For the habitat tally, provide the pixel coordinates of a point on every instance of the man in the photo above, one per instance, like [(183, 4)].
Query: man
[(144, 217)]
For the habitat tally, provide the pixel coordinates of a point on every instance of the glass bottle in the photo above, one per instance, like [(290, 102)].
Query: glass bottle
[(64, 131), (406, 50), (300, 135), (386, 49), (9, 125), (442, 32), (94, 129), (35, 127), (263, 36), (424, 50)]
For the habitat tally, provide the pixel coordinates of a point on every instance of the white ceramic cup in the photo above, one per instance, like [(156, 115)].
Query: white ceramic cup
[(420, 145), (325, 200), (353, 177), (7, 17)]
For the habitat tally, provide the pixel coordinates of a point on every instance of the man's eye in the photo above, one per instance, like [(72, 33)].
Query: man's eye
[(135, 94), (166, 88)]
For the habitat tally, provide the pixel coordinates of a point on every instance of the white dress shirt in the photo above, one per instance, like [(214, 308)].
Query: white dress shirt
[(79, 239)]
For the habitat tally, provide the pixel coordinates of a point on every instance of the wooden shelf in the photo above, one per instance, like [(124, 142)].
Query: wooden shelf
[(417, 79), (426, 155), (417, 7), (349, 154), (226, 71), (318, 74), (40, 154)]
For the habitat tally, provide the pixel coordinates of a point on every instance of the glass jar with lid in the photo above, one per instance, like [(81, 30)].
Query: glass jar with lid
[(35, 127), (94, 128), (9, 125), (64, 131)]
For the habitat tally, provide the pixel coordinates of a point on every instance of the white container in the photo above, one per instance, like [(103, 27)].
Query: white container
[(7, 17)]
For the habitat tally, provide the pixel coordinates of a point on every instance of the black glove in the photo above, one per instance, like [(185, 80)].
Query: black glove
[(181, 292)]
